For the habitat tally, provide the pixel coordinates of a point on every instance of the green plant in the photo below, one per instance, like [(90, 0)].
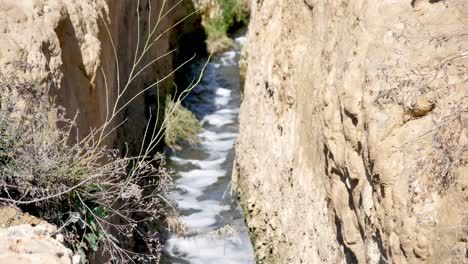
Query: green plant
[(182, 125), (216, 28), (233, 12)]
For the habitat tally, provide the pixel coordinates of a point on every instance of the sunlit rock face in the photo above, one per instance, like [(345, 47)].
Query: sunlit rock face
[(28, 239), (352, 143), (26, 244)]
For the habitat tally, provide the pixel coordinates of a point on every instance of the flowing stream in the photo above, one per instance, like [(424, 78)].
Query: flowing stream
[(216, 230)]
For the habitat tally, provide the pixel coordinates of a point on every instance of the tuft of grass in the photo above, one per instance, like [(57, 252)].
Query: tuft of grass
[(216, 29), (176, 226), (182, 125)]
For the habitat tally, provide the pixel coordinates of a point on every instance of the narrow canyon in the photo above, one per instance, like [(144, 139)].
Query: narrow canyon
[(234, 131)]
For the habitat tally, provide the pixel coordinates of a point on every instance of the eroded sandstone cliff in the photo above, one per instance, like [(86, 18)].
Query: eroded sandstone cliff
[(68, 45), (353, 136), (81, 53)]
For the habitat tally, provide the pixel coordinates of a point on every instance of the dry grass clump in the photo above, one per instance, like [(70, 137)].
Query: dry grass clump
[(174, 225)]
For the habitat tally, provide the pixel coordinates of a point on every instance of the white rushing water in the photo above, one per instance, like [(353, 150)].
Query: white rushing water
[(216, 230)]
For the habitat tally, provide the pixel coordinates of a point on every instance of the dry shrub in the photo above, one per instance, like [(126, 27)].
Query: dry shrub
[(80, 186), (449, 153), (100, 198)]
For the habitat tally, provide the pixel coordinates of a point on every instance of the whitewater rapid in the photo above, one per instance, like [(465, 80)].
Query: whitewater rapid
[(216, 230)]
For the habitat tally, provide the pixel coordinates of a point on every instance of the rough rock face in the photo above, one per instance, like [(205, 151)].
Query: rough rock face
[(353, 136), (65, 43), (25, 244), (26, 239), (10, 216)]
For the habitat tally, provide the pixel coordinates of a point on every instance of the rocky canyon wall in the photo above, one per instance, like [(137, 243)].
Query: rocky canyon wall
[(69, 45), (353, 136)]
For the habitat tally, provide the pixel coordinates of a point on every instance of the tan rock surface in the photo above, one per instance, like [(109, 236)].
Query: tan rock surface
[(353, 135), (67, 46), (24, 244), (27, 239), (10, 216)]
